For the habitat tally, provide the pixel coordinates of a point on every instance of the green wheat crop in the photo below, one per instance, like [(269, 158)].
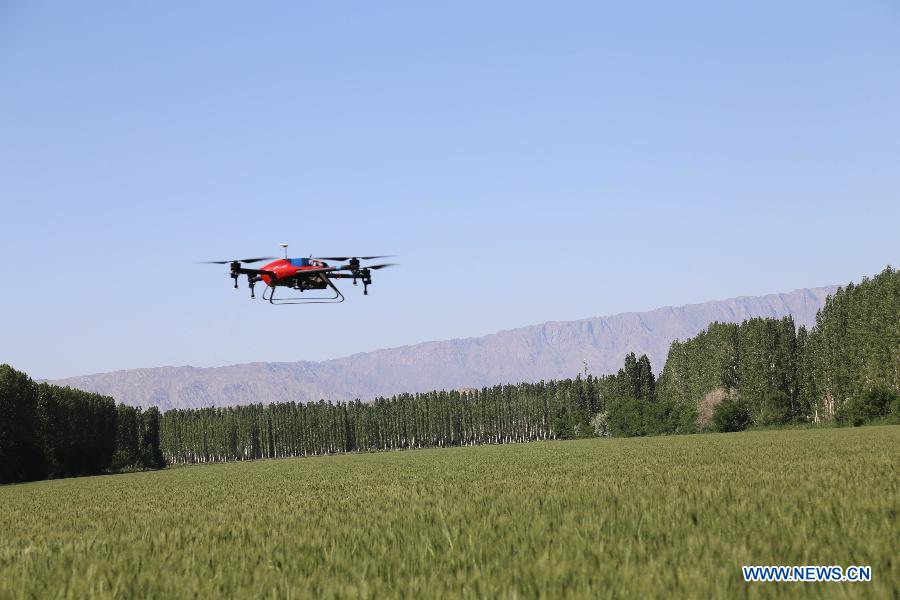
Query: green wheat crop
[(595, 518)]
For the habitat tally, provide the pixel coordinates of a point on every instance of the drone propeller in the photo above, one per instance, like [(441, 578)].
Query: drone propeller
[(343, 258), (374, 267), (237, 260)]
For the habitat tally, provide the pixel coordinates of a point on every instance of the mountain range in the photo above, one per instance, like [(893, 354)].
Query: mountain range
[(552, 350)]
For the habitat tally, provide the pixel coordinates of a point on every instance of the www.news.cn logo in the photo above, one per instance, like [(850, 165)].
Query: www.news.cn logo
[(807, 573)]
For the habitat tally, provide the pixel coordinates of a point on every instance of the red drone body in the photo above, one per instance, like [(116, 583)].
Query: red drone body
[(303, 274), (284, 268)]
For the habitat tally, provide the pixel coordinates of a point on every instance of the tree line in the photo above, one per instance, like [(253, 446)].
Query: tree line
[(764, 372), (760, 373), (52, 431), (500, 414)]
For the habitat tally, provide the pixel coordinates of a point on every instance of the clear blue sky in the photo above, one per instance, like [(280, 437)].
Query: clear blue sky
[(529, 162)]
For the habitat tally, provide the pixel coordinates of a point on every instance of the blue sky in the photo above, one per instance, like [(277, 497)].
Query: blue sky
[(528, 162)]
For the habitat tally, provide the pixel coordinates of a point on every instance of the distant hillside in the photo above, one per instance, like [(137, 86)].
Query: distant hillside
[(551, 350)]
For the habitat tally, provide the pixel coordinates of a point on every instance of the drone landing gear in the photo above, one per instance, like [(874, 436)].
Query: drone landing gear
[(365, 276), (269, 295)]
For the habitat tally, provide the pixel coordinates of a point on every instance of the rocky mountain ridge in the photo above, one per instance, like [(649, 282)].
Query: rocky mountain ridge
[(551, 350)]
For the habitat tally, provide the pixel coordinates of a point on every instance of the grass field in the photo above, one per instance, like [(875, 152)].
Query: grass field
[(635, 517)]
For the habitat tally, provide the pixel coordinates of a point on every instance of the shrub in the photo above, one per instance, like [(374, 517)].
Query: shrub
[(628, 417), (869, 406), (731, 415)]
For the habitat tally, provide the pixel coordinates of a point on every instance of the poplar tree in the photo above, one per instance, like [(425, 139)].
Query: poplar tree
[(20, 452)]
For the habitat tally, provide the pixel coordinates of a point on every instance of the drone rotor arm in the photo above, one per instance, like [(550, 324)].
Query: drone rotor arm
[(343, 258), (236, 260), (256, 272)]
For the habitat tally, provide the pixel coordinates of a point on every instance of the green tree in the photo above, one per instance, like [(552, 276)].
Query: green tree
[(129, 437), (151, 454), (20, 448), (775, 409)]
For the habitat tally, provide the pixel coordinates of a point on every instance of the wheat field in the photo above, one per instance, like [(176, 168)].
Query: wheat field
[(590, 518)]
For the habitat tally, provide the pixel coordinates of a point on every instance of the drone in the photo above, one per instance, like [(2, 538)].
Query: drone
[(303, 274)]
